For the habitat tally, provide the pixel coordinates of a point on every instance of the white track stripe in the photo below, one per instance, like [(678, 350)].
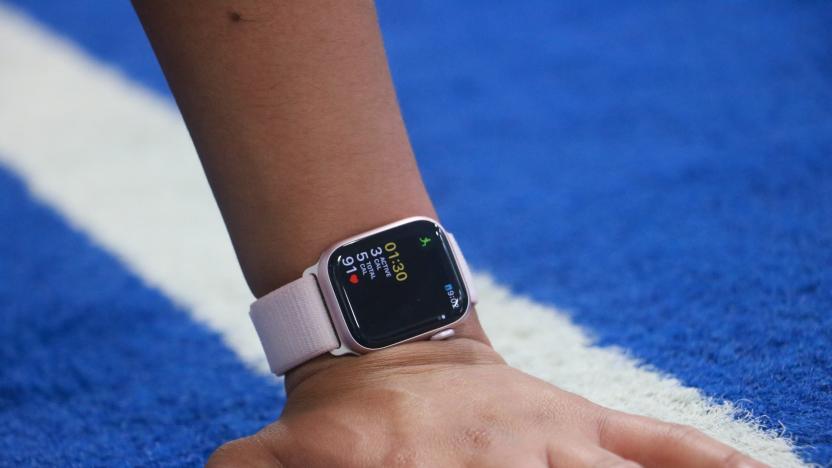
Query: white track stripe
[(116, 160)]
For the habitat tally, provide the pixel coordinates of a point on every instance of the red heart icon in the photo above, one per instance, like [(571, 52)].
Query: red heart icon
[(354, 278)]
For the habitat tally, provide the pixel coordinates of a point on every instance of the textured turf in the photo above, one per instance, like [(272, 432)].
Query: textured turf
[(663, 170), (90, 355)]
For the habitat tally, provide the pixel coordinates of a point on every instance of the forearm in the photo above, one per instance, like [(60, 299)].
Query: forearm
[(293, 113)]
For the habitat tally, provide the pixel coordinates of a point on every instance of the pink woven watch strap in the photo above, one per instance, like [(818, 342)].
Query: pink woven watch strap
[(293, 324)]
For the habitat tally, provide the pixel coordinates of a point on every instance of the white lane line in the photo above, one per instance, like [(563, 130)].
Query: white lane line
[(116, 160)]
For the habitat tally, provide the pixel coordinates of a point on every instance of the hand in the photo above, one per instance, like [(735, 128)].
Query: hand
[(456, 403)]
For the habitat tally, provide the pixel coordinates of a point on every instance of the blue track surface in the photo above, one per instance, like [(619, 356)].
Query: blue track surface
[(97, 368), (661, 170)]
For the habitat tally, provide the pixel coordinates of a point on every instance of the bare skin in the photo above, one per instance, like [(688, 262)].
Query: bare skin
[(458, 404), (293, 113)]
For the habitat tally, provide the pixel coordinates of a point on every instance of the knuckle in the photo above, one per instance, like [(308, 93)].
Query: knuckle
[(681, 433), (622, 464), (734, 459), (479, 438), (615, 463), (401, 457), (603, 428), (473, 438)]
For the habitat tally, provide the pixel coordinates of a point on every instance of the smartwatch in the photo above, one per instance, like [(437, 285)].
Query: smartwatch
[(401, 282)]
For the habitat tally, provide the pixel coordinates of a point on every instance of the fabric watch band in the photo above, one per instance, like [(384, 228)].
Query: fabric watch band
[(293, 324)]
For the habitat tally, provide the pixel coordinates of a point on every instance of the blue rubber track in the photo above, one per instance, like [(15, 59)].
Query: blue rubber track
[(97, 368), (660, 170)]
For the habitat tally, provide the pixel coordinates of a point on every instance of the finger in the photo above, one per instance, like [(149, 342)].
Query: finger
[(656, 443), (563, 454)]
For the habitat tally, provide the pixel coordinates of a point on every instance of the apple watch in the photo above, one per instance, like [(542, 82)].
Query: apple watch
[(401, 282)]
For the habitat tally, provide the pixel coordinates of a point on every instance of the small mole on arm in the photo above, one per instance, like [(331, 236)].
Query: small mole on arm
[(234, 16)]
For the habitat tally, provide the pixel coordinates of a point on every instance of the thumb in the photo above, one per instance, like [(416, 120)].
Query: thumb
[(258, 450)]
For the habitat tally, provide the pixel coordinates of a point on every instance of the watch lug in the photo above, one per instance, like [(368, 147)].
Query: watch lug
[(342, 351), (467, 277), (443, 335)]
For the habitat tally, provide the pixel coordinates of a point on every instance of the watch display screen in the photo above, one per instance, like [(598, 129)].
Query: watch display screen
[(397, 284)]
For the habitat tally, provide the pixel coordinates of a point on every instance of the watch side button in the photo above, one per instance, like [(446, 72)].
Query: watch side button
[(443, 335)]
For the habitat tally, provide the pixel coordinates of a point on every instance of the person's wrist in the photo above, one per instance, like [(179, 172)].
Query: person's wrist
[(469, 345)]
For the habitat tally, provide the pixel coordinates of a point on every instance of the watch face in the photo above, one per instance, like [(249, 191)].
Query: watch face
[(397, 284)]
